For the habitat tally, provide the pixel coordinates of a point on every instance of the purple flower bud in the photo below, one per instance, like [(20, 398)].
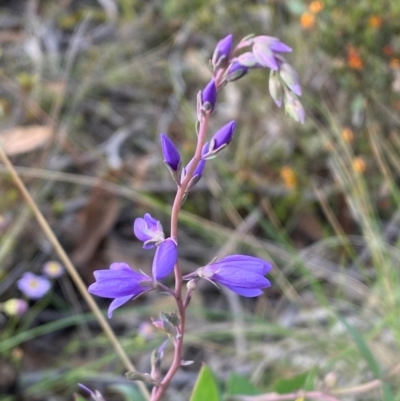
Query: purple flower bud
[(165, 259), (15, 307), (148, 230), (273, 43), (290, 78), (275, 88), (209, 96), (240, 273), (235, 71), (222, 52), (198, 172), (248, 60), (120, 282), (53, 269), (294, 107), (171, 155), (222, 137), (264, 55), (33, 286)]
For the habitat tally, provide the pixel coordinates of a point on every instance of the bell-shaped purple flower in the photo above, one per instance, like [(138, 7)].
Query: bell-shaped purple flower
[(33, 286), (165, 259), (222, 138), (148, 230), (240, 273), (209, 96), (222, 52), (170, 153), (235, 71)]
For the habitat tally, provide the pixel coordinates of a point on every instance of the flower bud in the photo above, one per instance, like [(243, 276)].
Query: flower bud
[(191, 285), (294, 107), (222, 138), (222, 52), (15, 307), (264, 55), (172, 159), (275, 88), (209, 96), (248, 60), (235, 71), (290, 78)]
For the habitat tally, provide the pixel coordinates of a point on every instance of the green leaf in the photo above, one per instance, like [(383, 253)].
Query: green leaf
[(303, 381), (368, 356), (238, 384), (205, 388), (78, 397), (129, 392)]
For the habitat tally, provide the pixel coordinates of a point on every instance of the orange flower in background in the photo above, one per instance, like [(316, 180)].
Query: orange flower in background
[(354, 59), (347, 134), (288, 177), (307, 20), (316, 6), (394, 63), (359, 165), (375, 21), (388, 50)]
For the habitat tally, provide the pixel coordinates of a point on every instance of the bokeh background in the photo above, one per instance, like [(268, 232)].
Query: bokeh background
[(87, 86)]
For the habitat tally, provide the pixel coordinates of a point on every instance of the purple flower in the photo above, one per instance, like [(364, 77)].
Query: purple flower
[(235, 71), (209, 95), (222, 137), (222, 51), (123, 284), (264, 55), (248, 59), (148, 230), (120, 282), (53, 269), (240, 273), (171, 155), (33, 286)]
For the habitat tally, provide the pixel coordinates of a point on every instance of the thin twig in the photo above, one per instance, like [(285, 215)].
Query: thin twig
[(71, 270)]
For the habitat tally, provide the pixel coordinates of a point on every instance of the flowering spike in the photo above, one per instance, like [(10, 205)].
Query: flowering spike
[(240, 273), (120, 282), (275, 88), (165, 259), (222, 137), (222, 52), (290, 78), (148, 230), (33, 286), (209, 96), (171, 155), (235, 71)]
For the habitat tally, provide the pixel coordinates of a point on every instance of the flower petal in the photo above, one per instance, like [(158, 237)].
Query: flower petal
[(252, 263), (245, 292), (236, 277), (117, 303), (165, 259), (264, 55)]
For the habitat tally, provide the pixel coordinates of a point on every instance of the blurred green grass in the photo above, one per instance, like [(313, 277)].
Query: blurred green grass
[(325, 202)]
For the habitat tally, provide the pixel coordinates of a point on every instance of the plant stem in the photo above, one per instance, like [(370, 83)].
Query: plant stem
[(71, 270), (180, 193)]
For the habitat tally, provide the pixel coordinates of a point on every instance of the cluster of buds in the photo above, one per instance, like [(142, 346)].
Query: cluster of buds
[(266, 52)]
